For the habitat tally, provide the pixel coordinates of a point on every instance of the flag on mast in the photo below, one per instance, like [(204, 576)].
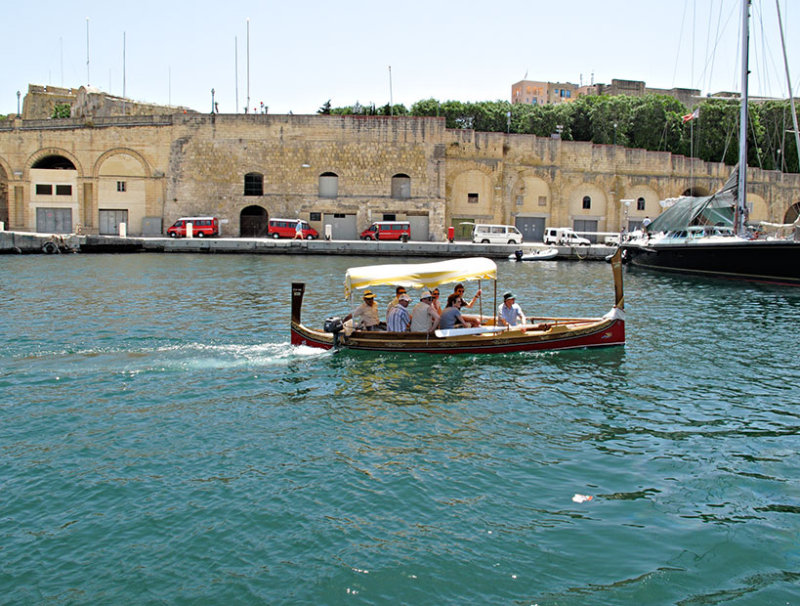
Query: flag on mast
[(693, 116)]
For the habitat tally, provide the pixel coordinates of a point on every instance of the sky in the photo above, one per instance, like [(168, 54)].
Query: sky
[(303, 53)]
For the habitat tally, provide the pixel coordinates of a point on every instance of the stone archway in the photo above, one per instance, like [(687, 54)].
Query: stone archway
[(792, 213), (696, 191), (253, 222)]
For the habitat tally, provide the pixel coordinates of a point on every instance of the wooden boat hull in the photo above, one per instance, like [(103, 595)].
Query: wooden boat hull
[(561, 334), (547, 334)]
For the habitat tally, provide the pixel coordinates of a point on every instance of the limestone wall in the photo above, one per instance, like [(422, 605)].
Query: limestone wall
[(195, 164)]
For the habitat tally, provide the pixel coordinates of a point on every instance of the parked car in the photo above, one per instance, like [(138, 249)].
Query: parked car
[(287, 228), (564, 236), (202, 227), (388, 230), (496, 234)]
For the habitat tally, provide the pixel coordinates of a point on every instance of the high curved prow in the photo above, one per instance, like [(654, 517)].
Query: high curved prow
[(616, 268), (298, 289)]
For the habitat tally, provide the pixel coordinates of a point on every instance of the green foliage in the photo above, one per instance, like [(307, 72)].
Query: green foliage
[(651, 122), (778, 146), (61, 110), (326, 108)]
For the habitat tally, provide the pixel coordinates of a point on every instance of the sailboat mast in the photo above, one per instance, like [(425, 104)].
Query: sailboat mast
[(741, 195)]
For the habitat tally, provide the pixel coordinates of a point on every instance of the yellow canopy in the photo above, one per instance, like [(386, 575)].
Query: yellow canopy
[(420, 275)]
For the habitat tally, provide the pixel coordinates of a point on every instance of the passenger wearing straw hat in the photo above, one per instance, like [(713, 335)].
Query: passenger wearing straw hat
[(368, 312)]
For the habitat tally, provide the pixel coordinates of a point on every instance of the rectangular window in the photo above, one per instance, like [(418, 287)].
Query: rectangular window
[(640, 204), (472, 198), (389, 217), (63, 190), (315, 217), (542, 200), (520, 201), (44, 189), (122, 186)]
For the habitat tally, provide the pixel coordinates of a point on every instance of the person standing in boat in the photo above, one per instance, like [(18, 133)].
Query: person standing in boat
[(368, 312), (509, 313), (423, 317), (398, 319), (451, 316)]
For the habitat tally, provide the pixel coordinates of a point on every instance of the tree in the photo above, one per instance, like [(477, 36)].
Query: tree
[(656, 124), (326, 108), (61, 110)]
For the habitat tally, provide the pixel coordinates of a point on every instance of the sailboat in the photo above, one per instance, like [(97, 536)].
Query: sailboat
[(709, 236)]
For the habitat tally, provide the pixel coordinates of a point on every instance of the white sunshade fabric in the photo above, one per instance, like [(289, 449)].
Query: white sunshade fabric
[(420, 275)]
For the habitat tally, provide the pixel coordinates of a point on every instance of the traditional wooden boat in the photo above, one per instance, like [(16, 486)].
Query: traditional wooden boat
[(489, 338)]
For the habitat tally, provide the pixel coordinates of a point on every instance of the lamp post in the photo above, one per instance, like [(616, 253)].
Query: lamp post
[(18, 94), (626, 203), (615, 133), (212, 100)]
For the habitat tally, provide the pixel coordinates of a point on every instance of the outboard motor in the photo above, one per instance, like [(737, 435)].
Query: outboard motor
[(518, 254), (335, 326)]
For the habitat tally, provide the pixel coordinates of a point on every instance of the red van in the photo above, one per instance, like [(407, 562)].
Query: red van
[(287, 228), (388, 230), (202, 227)]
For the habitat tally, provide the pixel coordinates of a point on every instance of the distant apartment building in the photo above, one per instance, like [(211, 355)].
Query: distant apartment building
[(550, 93), (542, 93)]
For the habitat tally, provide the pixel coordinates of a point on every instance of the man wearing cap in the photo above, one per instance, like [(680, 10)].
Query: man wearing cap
[(400, 290), (509, 313), (424, 318), (398, 318), (368, 312)]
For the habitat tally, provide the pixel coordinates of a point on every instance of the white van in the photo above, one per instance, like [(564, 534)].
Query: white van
[(496, 234), (564, 236)]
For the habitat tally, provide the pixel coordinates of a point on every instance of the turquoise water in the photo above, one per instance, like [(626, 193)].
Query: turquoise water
[(161, 442)]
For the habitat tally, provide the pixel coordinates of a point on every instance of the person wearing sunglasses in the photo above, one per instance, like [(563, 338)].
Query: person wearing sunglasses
[(435, 301)]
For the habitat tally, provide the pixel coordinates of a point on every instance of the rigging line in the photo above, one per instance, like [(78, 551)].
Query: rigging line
[(789, 82), (680, 37), (711, 58)]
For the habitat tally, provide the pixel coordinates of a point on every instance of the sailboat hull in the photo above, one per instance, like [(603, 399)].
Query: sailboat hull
[(772, 261)]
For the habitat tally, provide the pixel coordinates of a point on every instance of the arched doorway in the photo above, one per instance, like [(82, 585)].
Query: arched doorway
[(695, 192), (792, 214), (54, 194), (253, 222)]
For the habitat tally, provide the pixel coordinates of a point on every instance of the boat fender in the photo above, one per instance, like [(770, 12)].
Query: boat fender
[(50, 247), (518, 254)]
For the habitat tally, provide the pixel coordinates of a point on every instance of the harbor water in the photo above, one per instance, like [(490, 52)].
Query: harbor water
[(161, 442)]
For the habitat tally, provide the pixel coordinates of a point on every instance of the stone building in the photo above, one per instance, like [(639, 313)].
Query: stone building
[(340, 173)]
